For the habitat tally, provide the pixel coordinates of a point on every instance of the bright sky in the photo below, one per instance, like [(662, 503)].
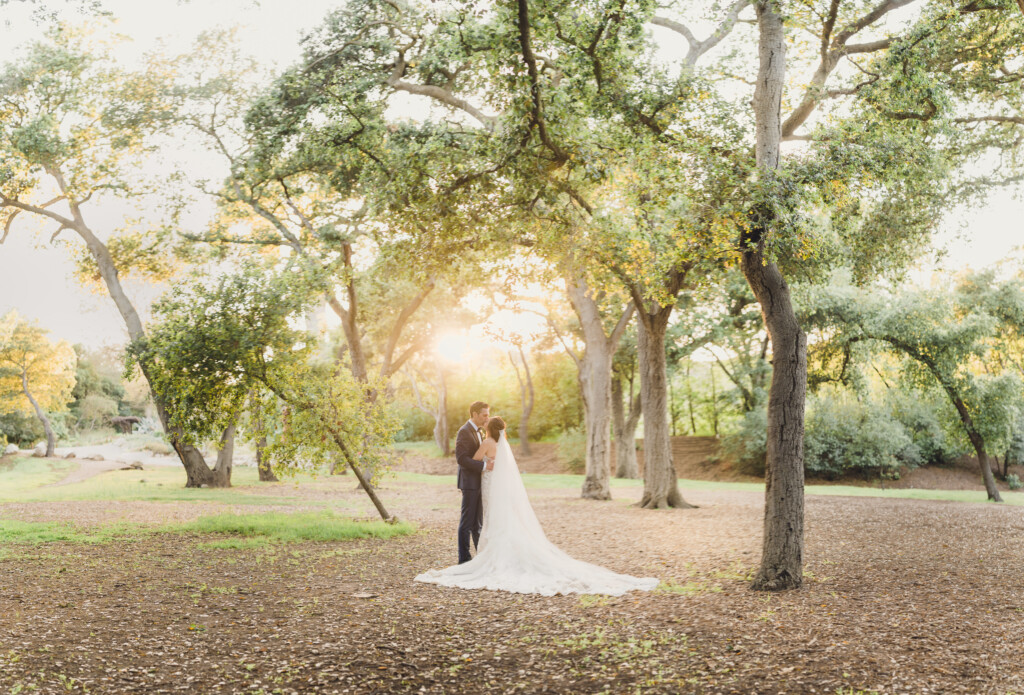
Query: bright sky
[(36, 279)]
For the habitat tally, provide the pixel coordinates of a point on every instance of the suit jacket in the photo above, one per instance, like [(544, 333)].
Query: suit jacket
[(470, 470)]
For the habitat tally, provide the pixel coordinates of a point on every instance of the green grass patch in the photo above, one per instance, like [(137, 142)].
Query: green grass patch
[(20, 474), (566, 481), (291, 528), (34, 533), (242, 531), (156, 484)]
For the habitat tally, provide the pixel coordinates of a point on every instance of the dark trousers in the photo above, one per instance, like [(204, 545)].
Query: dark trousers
[(470, 522)]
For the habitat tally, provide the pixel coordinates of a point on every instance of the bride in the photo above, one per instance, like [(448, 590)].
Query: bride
[(514, 554)]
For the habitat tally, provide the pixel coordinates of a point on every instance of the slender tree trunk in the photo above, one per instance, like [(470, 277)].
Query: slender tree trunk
[(441, 415), (689, 398), (266, 473), (196, 470), (625, 432), (714, 403), (782, 555), (51, 437), (661, 489), (525, 398)]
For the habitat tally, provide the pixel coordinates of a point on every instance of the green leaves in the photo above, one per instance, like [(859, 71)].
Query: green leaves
[(222, 348)]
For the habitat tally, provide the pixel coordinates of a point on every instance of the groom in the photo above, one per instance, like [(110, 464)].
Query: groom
[(471, 435)]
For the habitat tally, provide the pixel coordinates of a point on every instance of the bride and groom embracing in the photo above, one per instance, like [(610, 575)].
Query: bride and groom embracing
[(513, 554)]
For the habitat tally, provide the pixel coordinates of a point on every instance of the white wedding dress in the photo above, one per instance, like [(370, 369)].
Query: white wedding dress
[(515, 555)]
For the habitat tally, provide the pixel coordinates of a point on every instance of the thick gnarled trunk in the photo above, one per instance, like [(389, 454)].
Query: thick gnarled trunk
[(661, 487), (624, 426), (782, 554)]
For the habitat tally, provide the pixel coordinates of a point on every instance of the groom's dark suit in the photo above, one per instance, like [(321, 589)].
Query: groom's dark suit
[(470, 470)]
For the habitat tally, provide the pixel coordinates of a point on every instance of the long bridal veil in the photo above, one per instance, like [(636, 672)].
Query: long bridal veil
[(515, 555)]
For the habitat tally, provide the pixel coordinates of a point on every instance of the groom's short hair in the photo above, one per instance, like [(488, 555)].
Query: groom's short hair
[(477, 407)]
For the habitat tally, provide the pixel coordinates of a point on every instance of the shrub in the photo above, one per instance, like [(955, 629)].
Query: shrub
[(22, 429), (845, 435), (747, 446), (1013, 480), (928, 419), (572, 449)]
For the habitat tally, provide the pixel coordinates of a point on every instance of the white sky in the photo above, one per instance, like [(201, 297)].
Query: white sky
[(36, 279)]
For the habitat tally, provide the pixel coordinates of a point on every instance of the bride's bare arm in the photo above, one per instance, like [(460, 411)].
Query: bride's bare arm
[(489, 448)]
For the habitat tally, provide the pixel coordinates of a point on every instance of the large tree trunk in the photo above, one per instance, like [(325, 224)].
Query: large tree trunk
[(595, 377), (661, 489), (624, 427), (51, 437), (595, 371), (782, 555), (196, 470)]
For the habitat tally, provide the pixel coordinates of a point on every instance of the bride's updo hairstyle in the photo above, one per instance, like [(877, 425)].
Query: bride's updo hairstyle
[(495, 426)]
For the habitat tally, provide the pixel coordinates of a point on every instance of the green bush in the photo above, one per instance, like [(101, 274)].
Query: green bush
[(930, 421), (22, 429), (572, 449), (843, 435), (747, 446), (1013, 480)]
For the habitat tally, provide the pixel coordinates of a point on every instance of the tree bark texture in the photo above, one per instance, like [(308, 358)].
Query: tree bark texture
[(595, 377), (624, 426), (661, 487), (51, 437), (782, 554)]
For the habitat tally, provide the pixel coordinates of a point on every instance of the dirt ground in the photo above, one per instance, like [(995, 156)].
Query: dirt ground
[(902, 596)]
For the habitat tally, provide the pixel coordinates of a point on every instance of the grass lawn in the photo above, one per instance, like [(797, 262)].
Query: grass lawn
[(575, 481)]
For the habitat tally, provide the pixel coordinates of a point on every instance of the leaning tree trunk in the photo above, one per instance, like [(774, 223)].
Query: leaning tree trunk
[(979, 447), (661, 487), (51, 437), (624, 427), (196, 470), (782, 554)]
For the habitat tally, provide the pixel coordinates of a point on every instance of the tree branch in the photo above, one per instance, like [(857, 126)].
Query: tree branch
[(386, 369)]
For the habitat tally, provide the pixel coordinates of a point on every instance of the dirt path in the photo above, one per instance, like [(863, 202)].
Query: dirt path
[(902, 596)]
